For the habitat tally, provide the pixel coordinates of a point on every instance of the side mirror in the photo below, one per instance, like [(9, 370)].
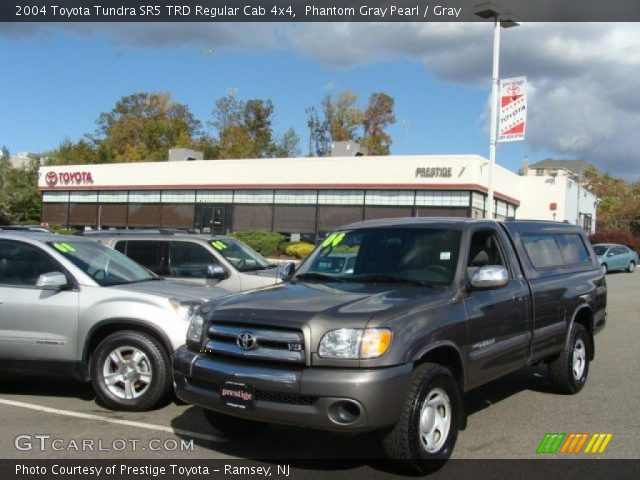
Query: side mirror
[(52, 281), (489, 276), (217, 272), (288, 269)]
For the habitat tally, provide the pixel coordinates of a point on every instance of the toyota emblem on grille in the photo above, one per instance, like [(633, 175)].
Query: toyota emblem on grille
[(247, 341)]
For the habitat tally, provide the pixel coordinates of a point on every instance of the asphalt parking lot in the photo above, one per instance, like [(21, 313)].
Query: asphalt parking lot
[(508, 417)]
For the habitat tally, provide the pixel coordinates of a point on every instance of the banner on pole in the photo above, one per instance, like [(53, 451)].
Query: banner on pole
[(513, 109)]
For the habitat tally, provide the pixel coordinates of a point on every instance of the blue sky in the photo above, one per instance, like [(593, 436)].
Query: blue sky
[(56, 81)]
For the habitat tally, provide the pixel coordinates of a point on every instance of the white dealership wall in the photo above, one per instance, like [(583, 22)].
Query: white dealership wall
[(468, 172)]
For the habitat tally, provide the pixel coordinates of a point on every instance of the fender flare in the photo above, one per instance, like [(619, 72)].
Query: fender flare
[(576, 311)]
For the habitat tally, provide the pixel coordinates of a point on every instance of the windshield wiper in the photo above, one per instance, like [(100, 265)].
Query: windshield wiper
[(150, 279), (318, 276), (381, 278)]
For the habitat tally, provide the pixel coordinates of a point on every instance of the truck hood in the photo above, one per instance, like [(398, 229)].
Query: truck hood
[(332, 304), (274, 273), (179, 291)]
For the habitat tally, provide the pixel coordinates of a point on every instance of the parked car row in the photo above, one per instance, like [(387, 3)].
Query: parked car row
[(386, 326)]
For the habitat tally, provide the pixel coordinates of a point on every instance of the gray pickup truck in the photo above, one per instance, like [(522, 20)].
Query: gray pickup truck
[(431, 309)]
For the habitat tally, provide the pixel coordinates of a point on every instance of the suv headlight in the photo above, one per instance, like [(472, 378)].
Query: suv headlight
[(183, 309), (355, 343)]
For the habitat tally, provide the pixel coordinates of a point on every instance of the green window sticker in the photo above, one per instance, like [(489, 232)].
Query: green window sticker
[(219, 245), (63, 247), (333, 240)]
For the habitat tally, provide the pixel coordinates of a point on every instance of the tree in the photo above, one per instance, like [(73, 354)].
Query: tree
[(377, 117), (227, 111), (143, 127), (343, 115), (289, 145), (19, 199), (69, 153), (235, 142), (257, 115), (319, 134)]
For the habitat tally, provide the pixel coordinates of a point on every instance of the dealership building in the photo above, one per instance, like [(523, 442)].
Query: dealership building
[(306, 196)]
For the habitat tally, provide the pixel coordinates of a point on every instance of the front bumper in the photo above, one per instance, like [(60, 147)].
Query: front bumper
[(299, 396)]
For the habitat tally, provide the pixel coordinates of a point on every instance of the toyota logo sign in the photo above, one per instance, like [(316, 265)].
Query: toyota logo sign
[(51, 178), (247, 341)]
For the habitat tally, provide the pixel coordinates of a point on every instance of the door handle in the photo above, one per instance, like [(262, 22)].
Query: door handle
[(516, 298)]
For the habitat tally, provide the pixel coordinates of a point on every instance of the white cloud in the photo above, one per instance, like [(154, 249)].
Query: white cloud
[(584, 99)]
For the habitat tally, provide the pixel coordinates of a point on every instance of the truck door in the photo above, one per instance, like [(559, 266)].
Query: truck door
[(498, 320)]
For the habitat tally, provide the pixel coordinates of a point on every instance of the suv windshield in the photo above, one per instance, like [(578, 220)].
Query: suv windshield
[(600, 249), (415, 256), (105, 266), (241, 256)]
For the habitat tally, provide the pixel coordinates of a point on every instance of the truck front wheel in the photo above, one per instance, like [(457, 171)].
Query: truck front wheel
[(568, 371), (428, 426)]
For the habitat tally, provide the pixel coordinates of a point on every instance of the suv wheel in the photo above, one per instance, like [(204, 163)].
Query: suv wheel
[(568, 372), (431, 416), (130, 371), (232, 426), (631, 267)]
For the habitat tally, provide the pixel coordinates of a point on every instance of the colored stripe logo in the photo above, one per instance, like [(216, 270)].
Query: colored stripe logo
[(574, 443)]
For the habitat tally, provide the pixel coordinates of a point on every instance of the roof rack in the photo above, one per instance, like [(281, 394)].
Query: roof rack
[(138, 231)]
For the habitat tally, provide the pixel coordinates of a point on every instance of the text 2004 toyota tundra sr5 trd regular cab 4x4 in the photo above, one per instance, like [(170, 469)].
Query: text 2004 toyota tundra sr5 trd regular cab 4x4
[(429, 309)]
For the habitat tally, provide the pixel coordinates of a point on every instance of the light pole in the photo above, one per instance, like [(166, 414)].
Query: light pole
[(501, 19)]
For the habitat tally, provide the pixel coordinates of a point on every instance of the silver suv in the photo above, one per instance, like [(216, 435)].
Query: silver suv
[(201, 259), (70, 305)]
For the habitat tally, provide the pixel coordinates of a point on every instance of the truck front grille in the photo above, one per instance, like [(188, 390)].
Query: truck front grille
[(256, 343)]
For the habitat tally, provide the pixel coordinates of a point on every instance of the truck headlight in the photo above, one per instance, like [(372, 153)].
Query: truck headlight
[(355, 343), (196, 324)]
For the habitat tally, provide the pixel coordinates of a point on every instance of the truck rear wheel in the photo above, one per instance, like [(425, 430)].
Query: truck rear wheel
[(568, 372), (232, 426), (428, 426)]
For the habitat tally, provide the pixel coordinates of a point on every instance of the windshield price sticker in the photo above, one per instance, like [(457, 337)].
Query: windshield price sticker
[(445, 255), (333, 240), (64, 247), (219, 245)]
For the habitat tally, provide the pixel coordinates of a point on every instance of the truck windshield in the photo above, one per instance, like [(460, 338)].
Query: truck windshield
[(105, 266), (415, 256), (241, 256)]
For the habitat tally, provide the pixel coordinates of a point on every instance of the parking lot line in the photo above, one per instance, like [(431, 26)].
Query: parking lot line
[(128, 423)]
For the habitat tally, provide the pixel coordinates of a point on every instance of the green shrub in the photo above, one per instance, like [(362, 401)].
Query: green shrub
[(263, 242), (66, 231), (298, 249)]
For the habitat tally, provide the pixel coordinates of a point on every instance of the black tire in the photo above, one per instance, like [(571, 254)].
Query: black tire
[(631, 267), (156, 358), (232, 426), (561, 369), (605, 268), (404, 442)]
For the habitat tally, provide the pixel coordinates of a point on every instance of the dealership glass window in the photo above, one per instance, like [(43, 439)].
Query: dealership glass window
[(55, 213), (113, 197), (477, 200), (390, 197), (330, 218), (501, 209), (214, 196), (144, 215), (178, 196), (375, 212), (83, 197), (295, 196), (177, 215), (144, 196), (55, 197), (83, 214), (294, 218), (341, 197), (253, 196), (252, 217), (112, 215), (442, 198)]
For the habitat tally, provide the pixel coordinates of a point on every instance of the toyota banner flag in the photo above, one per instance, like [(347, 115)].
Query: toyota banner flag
[(513, 109)]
